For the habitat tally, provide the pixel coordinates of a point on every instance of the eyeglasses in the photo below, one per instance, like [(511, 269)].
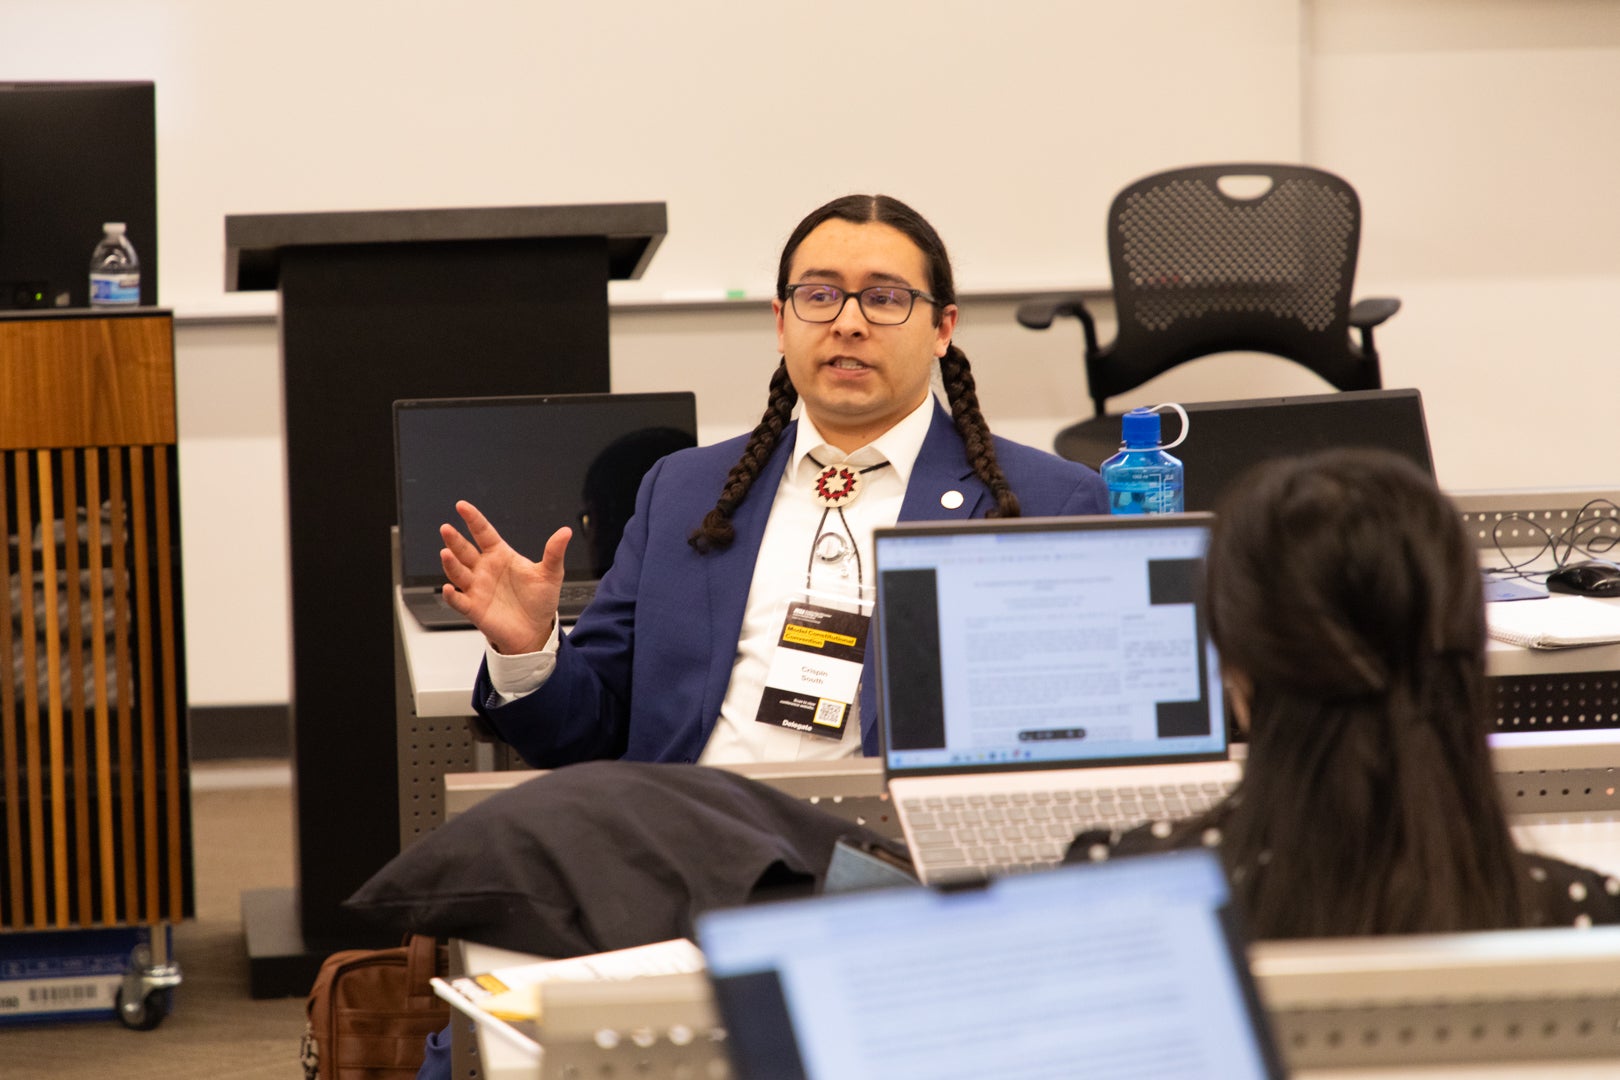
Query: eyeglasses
[(883, 305)]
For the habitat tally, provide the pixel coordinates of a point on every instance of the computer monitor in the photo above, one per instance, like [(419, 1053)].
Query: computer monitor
[(1225, 439), (73, 155), (529, 463)]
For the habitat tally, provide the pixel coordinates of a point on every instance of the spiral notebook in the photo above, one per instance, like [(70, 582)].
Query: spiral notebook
[(1556, 622)]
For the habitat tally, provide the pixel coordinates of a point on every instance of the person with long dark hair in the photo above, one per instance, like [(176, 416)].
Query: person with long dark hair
[(671, 662), (1345, 602)]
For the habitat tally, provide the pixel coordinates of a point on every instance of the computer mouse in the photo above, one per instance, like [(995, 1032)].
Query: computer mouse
[(1593, 577)]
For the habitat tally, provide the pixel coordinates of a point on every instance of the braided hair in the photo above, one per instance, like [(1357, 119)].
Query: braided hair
[(717, 530), (963, 396)]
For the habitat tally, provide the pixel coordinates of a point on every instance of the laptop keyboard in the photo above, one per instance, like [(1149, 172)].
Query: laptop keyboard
[(433, 612), (575, 596), (1008, 833)]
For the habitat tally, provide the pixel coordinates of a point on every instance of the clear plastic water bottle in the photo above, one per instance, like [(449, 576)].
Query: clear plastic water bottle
[(115, 270), (1142, 478)]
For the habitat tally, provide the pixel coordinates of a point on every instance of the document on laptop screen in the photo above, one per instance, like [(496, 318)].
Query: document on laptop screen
[(1046, 644), (1122, 971)]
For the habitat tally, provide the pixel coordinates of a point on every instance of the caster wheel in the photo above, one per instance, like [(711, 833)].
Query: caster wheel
[(143, 1014)]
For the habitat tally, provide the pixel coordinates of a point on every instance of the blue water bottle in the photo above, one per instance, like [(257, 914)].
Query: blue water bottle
[(1142, 478)]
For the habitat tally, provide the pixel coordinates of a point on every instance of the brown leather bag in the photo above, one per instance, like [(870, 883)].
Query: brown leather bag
[(371, 1011)]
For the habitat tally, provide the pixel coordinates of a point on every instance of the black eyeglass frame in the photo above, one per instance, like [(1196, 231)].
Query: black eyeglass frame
[(845, 296)]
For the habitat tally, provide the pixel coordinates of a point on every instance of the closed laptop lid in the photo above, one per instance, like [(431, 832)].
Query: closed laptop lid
[(1129, 968), (1030, 643), (1226, 438), (531, 464)]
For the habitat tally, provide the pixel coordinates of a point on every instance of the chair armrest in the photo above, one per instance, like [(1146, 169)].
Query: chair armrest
[(1038, 313), (1365, 314)]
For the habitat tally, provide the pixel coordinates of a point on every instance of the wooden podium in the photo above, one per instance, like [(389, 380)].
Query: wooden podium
[(378, 306), (94, 776)]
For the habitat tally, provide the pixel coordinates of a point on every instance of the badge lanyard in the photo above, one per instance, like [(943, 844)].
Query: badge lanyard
[(816, 668)]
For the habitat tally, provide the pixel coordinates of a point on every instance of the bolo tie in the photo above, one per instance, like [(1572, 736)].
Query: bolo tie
[(836, 487)]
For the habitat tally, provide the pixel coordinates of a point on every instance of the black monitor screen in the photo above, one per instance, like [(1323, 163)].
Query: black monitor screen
[(530, 465), (1227, 438), (73, 155)]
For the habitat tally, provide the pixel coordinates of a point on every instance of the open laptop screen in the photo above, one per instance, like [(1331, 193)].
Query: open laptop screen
[(531, 464), (1133, 968), (1045, 642)]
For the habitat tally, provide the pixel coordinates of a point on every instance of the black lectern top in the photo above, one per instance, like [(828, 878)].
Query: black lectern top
[(253, 242)]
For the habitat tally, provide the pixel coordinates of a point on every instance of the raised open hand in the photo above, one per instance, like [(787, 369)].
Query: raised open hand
[(512, 599)]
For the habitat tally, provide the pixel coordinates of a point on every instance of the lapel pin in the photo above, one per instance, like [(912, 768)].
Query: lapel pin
[(951, 500)]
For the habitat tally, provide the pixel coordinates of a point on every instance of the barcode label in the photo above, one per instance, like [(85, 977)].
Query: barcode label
[(57, 995)]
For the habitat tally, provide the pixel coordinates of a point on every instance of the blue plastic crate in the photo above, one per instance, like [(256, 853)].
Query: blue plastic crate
[(54, 975)]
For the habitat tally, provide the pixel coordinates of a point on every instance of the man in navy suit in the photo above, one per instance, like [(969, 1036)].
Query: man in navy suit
[(678, 658)]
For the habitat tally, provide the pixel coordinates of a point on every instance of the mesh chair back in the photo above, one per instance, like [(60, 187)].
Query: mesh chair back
[(1198, 271)]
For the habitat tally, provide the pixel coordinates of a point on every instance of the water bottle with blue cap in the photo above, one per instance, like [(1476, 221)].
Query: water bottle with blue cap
[(1143, 478)]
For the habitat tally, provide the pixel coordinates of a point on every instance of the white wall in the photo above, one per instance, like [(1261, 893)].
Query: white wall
[(1484, 139), (741, 116), (1481, 136), (233, 519)]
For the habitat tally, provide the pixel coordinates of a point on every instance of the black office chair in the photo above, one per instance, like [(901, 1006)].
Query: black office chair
[(1198, 271)]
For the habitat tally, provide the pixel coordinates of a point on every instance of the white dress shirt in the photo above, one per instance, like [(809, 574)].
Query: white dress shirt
[(779, 575)]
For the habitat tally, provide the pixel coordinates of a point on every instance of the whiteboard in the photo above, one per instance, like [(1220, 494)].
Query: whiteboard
[(1008, 124)]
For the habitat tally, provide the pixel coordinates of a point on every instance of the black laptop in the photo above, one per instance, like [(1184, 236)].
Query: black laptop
[(1130, 968), (531, 464), (1226, 438)]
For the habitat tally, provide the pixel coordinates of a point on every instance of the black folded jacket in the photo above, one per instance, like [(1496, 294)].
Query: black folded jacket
[(605, 855)]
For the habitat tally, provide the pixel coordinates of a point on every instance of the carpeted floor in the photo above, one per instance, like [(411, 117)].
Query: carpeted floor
[(242, 839)]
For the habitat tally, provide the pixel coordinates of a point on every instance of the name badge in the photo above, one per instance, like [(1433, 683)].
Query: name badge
[(816, 670)]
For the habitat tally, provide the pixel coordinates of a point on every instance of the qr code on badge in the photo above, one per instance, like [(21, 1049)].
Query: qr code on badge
[(830, 713)]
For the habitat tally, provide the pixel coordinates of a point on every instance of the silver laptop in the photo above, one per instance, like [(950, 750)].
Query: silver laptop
[(1039, 677), (531, 464), (1132, 968)]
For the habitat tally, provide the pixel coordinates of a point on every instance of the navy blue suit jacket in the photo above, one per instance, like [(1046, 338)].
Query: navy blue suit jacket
[(642, 674)]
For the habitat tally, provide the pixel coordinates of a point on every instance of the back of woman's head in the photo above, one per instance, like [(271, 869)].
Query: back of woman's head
[(1346, 575), (1345, 598)]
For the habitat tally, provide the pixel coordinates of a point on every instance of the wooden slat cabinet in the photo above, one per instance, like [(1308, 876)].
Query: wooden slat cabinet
[(94, 779)]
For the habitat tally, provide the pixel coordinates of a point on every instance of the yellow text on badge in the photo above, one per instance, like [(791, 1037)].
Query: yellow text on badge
[(794, 634)]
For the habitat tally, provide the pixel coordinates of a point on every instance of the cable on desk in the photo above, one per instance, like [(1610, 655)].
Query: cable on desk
[(1580, 536)]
